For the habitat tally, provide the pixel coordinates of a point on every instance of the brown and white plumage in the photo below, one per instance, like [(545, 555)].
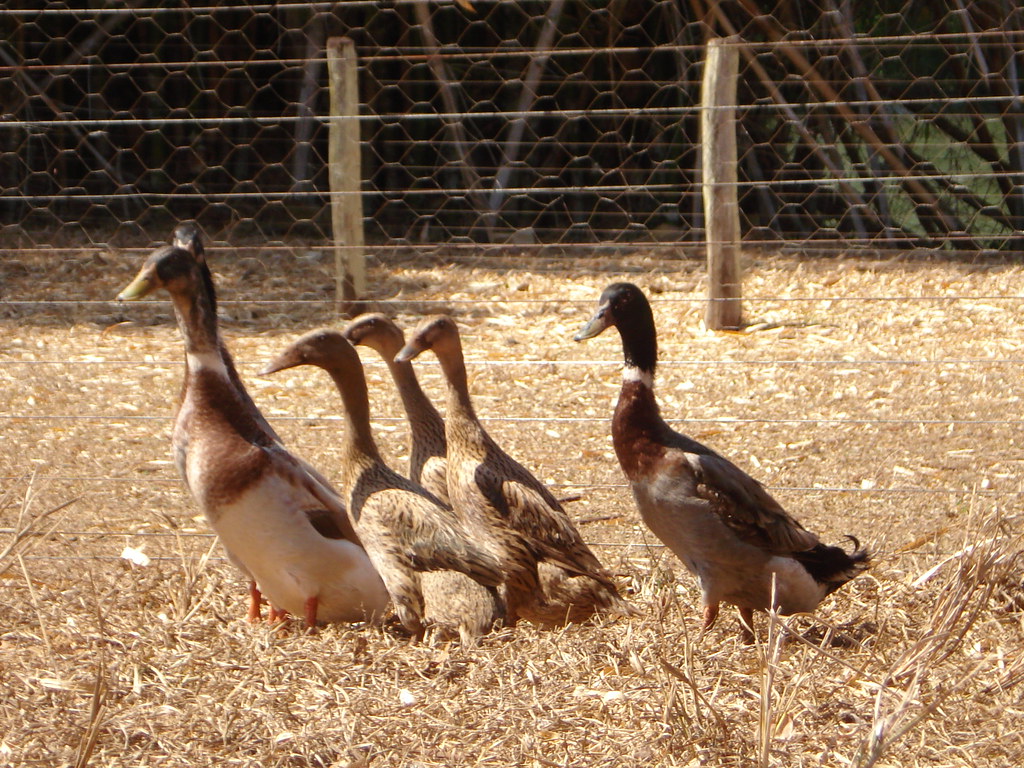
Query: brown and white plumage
[(189, 237), (725, 527), (428, 449), (551, 575), (406, 530), (286, 528)]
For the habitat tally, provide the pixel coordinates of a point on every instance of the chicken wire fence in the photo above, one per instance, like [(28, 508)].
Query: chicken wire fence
[(881, 124)]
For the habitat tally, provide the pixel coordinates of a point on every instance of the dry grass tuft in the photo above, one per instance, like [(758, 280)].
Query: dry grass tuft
[(27, 525), (122, 639)]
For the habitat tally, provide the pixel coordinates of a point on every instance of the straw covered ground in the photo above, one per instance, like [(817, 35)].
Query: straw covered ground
[(875, 398)]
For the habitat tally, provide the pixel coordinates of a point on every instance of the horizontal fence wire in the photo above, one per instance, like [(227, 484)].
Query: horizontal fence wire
[(901, 299), (844, 363), (107, 418), (591, 486)]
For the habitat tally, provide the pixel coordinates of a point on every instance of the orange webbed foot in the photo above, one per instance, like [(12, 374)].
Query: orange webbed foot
[(276, 615)]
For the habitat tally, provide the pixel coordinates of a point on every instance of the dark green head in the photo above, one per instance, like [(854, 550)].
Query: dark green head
[(173, 269), (624, 306)]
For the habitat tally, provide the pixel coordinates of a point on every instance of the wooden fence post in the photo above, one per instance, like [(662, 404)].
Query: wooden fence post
[(345, 174), (721, 206)]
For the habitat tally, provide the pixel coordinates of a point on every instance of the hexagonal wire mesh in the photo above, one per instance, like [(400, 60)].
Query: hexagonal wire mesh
[(890, 124)]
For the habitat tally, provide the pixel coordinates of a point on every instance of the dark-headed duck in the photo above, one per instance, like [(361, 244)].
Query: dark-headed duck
[(729, 532), (278, 521)]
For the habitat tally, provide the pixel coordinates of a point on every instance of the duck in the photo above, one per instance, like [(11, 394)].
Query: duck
[(428, 449), (188, 236), (552, 576), (738, 541), (451, 599), (284, 526), (407, 531)]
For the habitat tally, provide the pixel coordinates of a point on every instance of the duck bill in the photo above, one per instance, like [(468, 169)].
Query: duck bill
[(597, 324), (280, 363), (407, 353), (140, 287)]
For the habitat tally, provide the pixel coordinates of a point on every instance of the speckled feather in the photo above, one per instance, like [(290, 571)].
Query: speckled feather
[(551, 575), (451, 599)]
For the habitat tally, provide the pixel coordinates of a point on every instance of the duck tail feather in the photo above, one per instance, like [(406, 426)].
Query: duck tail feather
[(834, 566)]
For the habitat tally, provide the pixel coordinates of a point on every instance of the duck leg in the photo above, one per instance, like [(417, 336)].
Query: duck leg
[(311, 606), (255, 603), (710, 614), (747, 626), (275, 614)]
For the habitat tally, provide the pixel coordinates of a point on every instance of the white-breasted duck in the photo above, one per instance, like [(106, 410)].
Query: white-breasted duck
[(725, 527), (551, 575), (406, 530), (188, 236), (286, 528), (428, 449)]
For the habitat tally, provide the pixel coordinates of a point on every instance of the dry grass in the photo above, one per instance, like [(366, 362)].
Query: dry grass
[(917, 663)]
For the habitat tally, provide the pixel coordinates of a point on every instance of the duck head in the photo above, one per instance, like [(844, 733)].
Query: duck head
[(624, 306), (619, 303), (187, 236), (324, 348), (169, 267), (434, 333), (376, 331)]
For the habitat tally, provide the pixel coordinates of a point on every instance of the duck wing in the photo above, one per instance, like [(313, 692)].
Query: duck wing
[(548, 529), (529, 508), (405, 524), (745, 506), (333, 521)]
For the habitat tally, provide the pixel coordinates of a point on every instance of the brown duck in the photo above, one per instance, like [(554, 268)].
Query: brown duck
[(452, 599), (285, 527), (405, 529), (551, 575), (742, 546), (428, 449)]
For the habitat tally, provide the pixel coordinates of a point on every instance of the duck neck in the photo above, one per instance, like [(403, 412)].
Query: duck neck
[(637, 393), (420, 411), (637, 422), (460, 407), (351, 385), (196, 313), (639, 346)]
